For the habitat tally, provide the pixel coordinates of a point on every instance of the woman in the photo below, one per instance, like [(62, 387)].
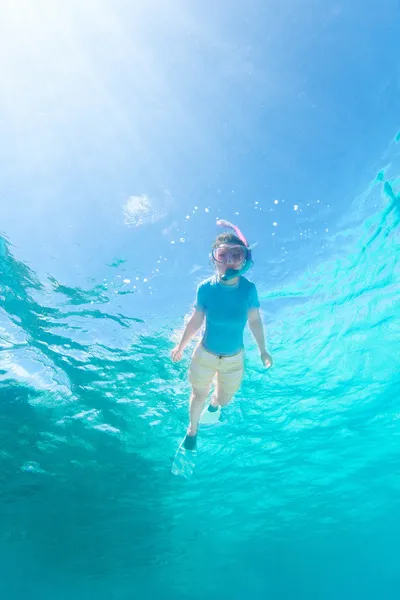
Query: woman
[(226, 301)]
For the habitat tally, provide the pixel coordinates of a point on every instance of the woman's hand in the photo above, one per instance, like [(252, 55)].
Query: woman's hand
[(266, 359), (176, 353)]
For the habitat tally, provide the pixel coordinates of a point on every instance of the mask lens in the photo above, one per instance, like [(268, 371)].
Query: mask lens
[(233, 254)]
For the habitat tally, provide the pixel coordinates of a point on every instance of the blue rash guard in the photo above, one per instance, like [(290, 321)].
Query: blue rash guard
[(226, 308)]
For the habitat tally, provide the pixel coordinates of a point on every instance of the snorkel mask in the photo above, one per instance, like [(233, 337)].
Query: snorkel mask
[(234, 253)]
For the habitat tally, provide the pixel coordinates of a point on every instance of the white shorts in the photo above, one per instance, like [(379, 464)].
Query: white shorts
[(228, 369)]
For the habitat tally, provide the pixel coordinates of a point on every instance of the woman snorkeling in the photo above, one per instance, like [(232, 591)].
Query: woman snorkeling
[(226, 301)]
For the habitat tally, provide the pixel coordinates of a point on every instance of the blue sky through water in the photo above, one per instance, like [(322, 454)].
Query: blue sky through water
[(127, 129)]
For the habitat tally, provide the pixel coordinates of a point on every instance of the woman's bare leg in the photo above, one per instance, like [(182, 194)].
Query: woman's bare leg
[(221, 398)]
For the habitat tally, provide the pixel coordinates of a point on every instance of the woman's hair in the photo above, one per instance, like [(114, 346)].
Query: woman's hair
[(227, 238)]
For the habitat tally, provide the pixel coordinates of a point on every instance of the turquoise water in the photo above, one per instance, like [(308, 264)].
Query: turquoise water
[(126, 129), (295, 493)]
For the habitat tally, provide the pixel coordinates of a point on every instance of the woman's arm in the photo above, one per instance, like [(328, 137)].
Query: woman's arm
[(257, 329), (192, 327)]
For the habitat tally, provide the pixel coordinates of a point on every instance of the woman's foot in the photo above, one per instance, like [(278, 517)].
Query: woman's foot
[(210, 415), (213, 406), (190, 441)]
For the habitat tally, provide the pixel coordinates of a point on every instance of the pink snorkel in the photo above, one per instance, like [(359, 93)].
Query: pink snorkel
[(231, 273), (223, 223)]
